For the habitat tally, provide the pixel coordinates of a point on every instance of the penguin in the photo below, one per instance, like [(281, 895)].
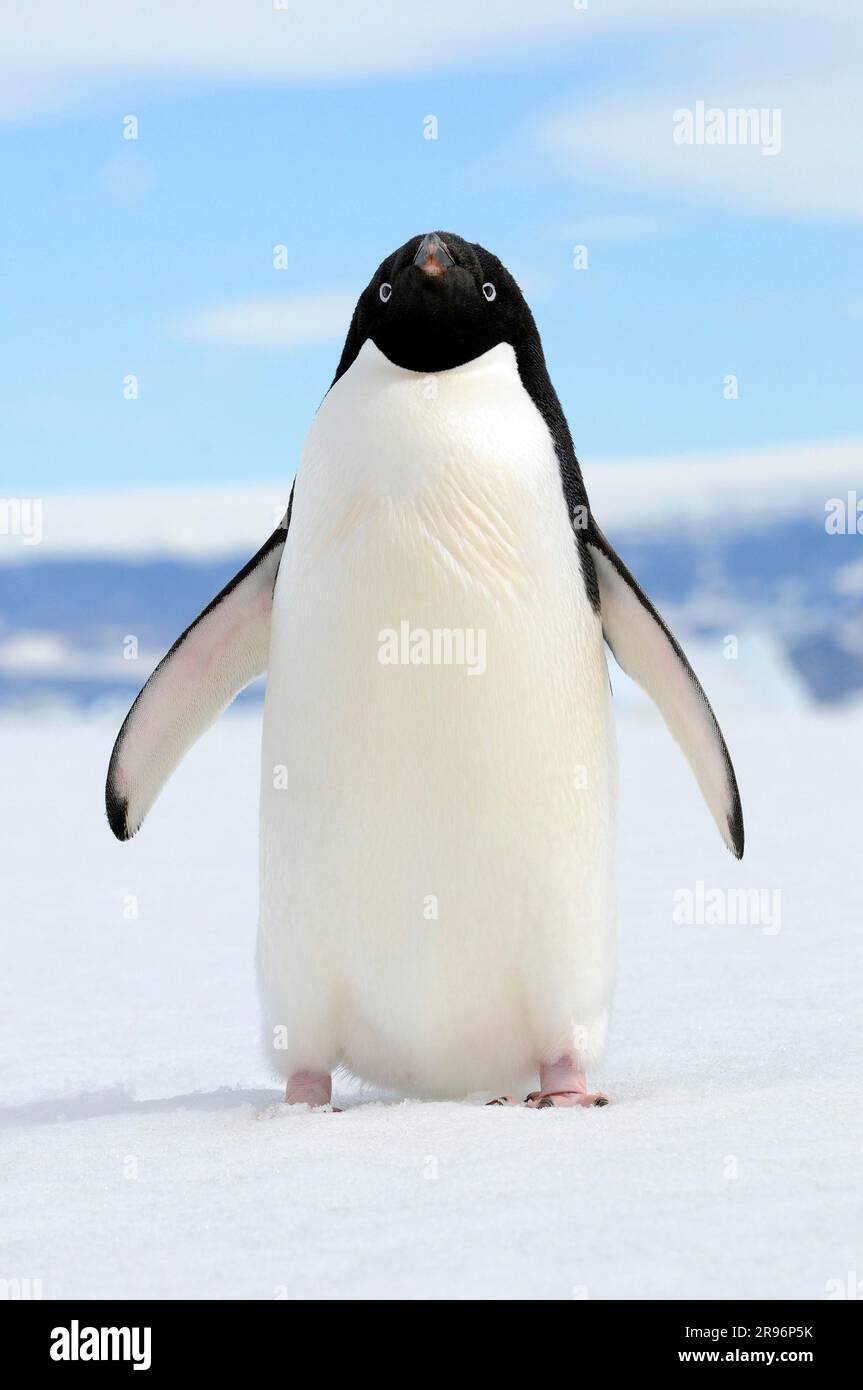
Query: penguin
[(438, 771)]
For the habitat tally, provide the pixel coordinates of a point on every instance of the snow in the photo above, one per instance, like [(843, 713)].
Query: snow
[(144, 1151)]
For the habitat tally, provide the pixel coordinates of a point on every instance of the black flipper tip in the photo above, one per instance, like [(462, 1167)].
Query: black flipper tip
[(117, 808)]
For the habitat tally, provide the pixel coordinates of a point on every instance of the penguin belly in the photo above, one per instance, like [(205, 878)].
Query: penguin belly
[(438, 766)]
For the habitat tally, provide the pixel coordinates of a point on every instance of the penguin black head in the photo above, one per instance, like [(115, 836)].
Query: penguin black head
[(436, 303)]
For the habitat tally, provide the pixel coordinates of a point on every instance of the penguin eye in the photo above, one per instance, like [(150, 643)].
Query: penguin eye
[(489, 291), (385, 291)]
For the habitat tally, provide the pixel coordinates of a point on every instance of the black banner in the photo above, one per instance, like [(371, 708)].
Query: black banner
[(164, 1338)]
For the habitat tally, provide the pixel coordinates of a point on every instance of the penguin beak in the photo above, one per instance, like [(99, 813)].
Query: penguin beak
[(433, 257)]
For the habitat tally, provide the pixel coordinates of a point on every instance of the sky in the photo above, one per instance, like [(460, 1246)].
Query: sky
[(305, 127)]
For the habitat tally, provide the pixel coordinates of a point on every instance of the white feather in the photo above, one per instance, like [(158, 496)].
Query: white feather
[(436, 900)]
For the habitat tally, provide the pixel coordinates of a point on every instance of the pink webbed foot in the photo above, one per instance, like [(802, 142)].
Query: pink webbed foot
[(503, 1100), (562, 1083), (314, 1088)]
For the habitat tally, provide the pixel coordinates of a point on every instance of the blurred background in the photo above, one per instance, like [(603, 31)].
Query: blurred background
[(194, 196)]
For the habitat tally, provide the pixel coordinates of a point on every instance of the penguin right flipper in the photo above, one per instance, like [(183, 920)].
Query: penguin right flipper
[(647, 651), (225, 648)]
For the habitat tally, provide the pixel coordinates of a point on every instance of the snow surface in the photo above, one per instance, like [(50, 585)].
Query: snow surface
[(144, 1151)]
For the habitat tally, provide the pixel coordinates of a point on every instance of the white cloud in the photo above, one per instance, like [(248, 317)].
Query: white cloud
[(29, 91), (810, 77), (849, 580), (195, 521), (817, 174), (54, 51), (617, 226), (271, 321), (722, 488)]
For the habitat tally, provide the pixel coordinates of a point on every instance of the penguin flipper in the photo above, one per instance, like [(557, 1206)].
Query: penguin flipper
[(647, 651), (224, 649)]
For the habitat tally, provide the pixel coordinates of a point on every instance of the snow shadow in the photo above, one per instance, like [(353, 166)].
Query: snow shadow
[(116, 1100)]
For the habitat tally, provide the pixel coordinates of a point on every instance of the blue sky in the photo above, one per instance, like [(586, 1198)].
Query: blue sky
[(154, 256)]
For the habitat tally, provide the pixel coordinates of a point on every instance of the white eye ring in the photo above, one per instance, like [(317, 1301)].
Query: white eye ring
[(489, 291), (385, 291)]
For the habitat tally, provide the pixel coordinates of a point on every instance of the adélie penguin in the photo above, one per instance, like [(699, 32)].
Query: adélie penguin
[(438, 772)]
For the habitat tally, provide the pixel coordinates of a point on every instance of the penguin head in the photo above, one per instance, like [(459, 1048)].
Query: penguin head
[(436, 303)]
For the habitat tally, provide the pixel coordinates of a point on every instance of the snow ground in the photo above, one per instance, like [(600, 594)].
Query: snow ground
[(144, 1153)]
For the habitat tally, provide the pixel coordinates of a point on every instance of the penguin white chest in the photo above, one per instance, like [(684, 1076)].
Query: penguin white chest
[(436, 779)]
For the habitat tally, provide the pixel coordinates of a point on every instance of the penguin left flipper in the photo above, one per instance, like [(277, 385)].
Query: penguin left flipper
[(224, 649), (647, 651)]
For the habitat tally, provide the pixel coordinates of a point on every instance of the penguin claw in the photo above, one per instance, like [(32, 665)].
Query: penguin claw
[(546, 1100)]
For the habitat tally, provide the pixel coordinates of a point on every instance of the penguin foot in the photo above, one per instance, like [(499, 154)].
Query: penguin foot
[(562, 1083), (503, 1100), (314, 1088), (543, 1100)]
